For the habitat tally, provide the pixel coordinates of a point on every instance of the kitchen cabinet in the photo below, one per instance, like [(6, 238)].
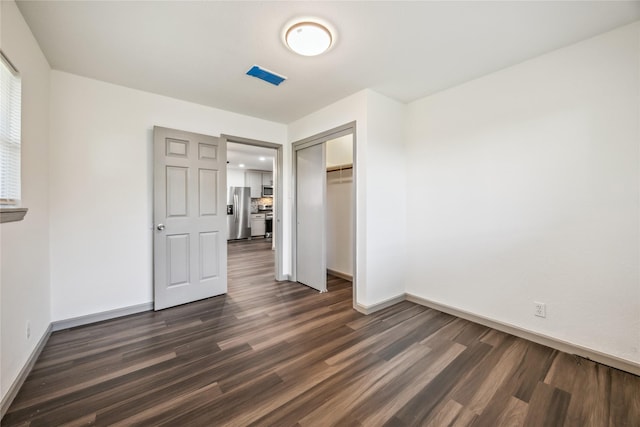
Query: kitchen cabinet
[(253, 179), (258, 225), (267, 178), (256, 179)]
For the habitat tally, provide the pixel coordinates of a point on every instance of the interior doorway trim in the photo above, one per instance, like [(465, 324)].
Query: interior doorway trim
[(278, 190), (320, 138)]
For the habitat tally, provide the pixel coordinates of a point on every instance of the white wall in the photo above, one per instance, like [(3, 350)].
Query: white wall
[(340, 221), (374, 142), (386, 204), (24, 277), (101, 187), (235, 177), (524, 187), (339, 151)]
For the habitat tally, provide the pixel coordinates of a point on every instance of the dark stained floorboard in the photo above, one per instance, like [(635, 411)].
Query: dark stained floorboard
[(279, 354)]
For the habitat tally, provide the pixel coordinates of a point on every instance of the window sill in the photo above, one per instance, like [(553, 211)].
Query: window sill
[(12, 214)]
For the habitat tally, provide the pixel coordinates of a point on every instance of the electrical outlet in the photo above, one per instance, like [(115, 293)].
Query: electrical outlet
[(540, 309), (28, 329)]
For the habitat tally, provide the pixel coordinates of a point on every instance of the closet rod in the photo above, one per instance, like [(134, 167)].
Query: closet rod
[(339, 168)]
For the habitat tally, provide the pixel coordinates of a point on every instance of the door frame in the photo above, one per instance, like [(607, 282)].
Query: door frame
[(278, 194), (321, 138)]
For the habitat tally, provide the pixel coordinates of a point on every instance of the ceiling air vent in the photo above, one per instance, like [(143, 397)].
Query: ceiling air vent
[(266, 75)]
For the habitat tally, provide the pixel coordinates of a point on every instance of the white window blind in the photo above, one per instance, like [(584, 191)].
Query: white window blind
[(10, 119)]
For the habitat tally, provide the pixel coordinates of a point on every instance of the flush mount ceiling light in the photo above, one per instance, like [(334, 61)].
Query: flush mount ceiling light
[(308, 37)]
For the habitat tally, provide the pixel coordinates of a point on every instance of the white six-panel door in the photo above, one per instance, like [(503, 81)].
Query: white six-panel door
[(189, 249)]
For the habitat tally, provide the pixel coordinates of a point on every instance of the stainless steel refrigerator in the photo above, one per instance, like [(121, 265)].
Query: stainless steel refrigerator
[(238, 213)]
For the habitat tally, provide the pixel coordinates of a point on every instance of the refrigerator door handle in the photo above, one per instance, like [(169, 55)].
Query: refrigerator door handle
[(235, 204)]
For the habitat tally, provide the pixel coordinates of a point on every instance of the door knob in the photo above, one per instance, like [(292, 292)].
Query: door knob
[(160, 227)]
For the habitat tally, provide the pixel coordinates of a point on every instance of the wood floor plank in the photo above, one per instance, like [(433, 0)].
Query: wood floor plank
[(467, 418), (533, 368), (86, 420), (300, 406), (548, 406), (563, 372), (595, 383), (430, 323), (399, 386), (331, 412), (390, 334), (123, 402), (356, 399), (625, 399), (418, 409), (472, 384), (514, 413), (446, 415), (223, 409), (504, 368), (73, 388), (204, 394), (281, 354), (282, 394)]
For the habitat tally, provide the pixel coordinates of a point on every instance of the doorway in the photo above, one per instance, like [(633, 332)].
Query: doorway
[(324, 232), (256, 166), (340, 219)]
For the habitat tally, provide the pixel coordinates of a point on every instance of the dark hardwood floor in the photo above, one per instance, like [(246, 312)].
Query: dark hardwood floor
[(281, 354)]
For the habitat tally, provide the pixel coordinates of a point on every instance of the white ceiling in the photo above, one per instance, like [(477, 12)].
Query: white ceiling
[(199, 51), (250, 156)]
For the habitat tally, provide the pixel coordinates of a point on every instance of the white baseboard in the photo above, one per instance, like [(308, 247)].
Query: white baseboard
[(99, 317), (24, 373), (340, 274), (368, 309), (567, 347)]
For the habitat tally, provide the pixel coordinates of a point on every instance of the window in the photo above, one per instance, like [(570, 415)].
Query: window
[(10, 119), (10, 122)]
